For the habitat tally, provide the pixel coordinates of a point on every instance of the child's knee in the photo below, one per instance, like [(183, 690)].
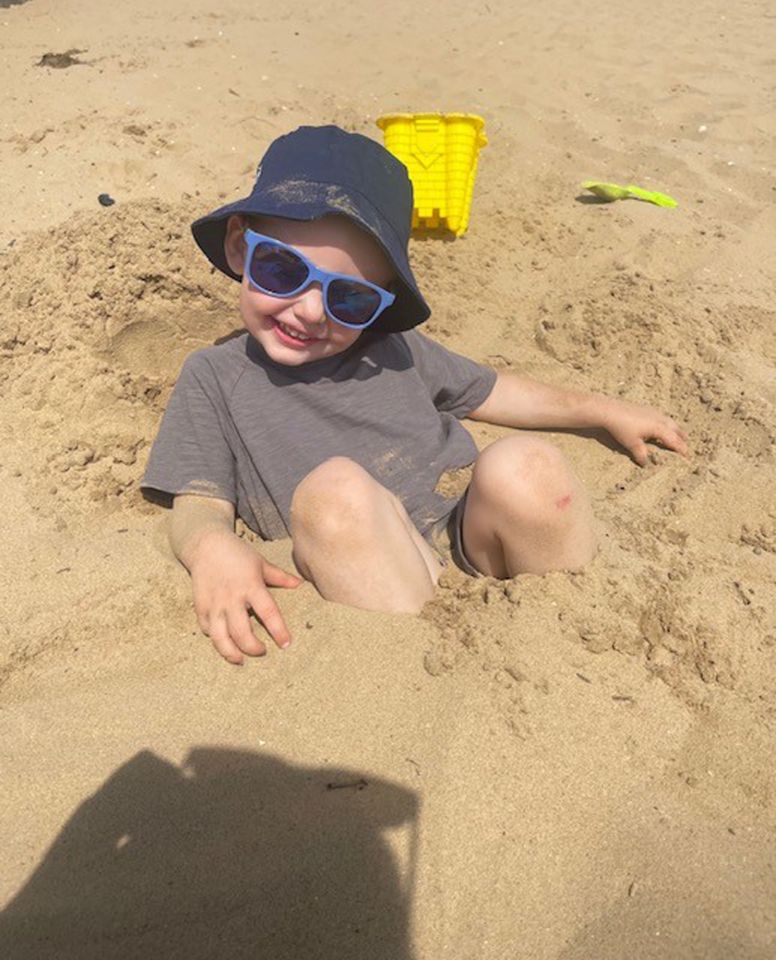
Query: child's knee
[(334, 500), (525, 472)]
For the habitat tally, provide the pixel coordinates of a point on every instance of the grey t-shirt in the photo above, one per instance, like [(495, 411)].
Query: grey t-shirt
[(241, 427)]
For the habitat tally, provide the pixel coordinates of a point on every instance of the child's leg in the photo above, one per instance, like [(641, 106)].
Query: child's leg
[(525, 511), (354, 540)]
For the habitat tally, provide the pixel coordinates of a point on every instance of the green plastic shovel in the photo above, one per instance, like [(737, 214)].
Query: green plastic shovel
[(612, 191)]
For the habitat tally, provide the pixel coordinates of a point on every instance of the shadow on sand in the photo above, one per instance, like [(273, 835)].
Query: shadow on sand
[(233, 855)]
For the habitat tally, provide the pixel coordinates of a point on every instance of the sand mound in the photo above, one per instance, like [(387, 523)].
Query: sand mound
[(103, 311), (93, 347)]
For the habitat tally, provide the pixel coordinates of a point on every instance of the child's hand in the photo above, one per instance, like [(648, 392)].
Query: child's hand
[(632, 425), (228, 578)]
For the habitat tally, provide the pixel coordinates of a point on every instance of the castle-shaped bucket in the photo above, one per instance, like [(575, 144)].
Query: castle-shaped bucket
[(440, 151)]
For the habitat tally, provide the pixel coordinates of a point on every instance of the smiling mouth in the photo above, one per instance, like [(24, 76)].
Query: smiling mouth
[(294, 334)]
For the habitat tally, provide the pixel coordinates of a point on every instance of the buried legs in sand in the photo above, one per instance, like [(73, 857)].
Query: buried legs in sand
[(525, 512), (354, 540)]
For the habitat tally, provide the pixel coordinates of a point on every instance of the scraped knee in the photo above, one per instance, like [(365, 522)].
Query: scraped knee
[(525, 474)]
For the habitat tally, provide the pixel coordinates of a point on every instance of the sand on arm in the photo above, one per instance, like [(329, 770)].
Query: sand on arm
[(193, 516)]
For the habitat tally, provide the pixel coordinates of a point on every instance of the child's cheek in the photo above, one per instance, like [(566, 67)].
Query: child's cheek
[(255, 305), (345, 338)]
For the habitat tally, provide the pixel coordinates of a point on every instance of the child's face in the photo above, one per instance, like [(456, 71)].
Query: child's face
[(279, 323)]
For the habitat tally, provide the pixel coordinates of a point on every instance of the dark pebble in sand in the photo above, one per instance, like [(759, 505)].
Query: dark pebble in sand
[(106, 200), (60, 61)]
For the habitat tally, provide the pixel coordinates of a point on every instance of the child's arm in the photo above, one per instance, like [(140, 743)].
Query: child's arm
[(518, 401), (228, 577)]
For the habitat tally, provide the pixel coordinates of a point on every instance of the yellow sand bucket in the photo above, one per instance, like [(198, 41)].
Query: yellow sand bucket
[(440, 151)]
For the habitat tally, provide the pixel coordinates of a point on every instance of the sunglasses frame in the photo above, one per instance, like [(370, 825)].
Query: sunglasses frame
[(315, 274)]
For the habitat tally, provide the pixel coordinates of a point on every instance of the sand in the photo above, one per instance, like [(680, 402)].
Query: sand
[(571, 767)]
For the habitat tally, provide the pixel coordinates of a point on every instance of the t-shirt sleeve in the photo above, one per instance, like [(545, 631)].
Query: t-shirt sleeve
[(191, 453), (457, 384)]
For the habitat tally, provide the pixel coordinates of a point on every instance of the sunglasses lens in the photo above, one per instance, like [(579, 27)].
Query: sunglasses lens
[(276, 269), (352, 302)]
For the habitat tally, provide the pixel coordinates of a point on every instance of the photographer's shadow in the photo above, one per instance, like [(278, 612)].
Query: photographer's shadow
[(234, 855)]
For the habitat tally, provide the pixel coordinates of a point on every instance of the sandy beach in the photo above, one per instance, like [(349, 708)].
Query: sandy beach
[(569, 767)]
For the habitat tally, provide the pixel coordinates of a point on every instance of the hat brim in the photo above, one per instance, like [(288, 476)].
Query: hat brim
[(308, 200)]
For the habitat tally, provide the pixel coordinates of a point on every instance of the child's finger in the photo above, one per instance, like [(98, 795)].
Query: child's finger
[(218, 632), (639, 452), (682, 447), (277, 577), (674, 441), (673, 427), (267, 611), (241, 634)]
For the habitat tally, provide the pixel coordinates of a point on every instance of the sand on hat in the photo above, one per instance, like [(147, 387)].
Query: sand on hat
[(574, 767)]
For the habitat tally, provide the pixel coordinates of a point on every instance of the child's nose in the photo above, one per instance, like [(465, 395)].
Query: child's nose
[(309, 306)]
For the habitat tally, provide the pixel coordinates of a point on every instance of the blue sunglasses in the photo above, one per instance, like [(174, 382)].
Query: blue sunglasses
[(275, 268)]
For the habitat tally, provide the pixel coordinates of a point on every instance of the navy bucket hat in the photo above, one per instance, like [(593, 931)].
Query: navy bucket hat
[(315, 171)]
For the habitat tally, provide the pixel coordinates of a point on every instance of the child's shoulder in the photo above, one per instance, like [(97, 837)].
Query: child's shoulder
[(220, 363), (230, 350)]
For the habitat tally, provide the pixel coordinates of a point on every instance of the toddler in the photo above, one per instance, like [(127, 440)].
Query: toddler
[(332, 418)]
